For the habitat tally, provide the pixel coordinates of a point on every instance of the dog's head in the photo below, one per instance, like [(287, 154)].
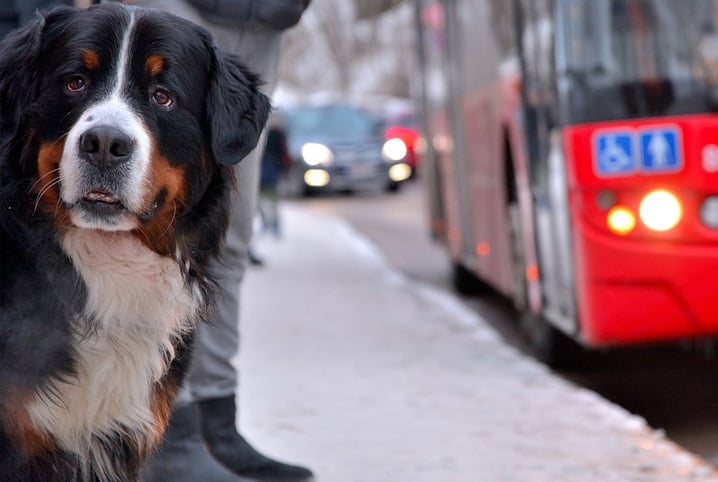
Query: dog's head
[(124, 119)]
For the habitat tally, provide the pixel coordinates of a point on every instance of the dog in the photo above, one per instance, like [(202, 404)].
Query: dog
[(119, 129)]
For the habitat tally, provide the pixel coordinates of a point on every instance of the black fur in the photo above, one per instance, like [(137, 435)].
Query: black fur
[(218, 118)]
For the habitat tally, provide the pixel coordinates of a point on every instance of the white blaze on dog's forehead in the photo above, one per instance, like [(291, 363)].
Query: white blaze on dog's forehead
[(111, 110), (123, 59)]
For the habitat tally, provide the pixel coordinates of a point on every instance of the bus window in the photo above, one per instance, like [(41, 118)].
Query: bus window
[(618, 59)]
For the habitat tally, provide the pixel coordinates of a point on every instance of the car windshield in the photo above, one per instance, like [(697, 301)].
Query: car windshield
[(329, 121)]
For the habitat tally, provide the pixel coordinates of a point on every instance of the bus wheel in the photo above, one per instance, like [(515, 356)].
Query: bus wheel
[(549, 345), (465, 281)]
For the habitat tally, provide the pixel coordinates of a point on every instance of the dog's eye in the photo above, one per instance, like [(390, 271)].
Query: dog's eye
[(76, 84), (162, 97)]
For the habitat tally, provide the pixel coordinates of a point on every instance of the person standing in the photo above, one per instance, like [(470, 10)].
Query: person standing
[(202, 442), (276, 162)]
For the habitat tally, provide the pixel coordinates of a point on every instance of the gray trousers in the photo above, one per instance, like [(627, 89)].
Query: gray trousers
[(213, 374)]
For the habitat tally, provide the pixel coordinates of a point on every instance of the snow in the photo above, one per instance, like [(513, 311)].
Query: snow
[(364, 375)]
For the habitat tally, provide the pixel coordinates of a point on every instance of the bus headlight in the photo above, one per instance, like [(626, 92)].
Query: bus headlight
[(394, 150), (660, 210), (621, 220), (316, 154)]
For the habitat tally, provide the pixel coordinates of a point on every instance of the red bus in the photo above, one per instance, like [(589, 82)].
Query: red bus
[(571, 162)]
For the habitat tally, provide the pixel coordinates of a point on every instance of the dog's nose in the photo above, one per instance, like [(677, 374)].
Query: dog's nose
[(106, 146)]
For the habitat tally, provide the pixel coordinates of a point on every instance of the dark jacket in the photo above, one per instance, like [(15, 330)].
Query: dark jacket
[(276, 157), (274, 14)]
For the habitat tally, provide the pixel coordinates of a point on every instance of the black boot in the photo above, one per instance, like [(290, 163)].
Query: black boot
[(217, 424), (183, 456)]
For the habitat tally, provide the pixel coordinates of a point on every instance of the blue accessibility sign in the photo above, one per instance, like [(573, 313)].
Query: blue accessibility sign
[(660, 149), (614, 152)]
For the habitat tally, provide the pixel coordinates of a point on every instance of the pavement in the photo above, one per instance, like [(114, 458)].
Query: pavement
[(364, 375)]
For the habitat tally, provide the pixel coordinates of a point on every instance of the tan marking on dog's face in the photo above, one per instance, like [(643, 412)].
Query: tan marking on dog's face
[(46, 189), (157, 233), (90, 59), (154, 65)]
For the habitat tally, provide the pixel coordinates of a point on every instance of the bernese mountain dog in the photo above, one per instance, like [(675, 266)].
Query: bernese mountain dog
[(119, 127)]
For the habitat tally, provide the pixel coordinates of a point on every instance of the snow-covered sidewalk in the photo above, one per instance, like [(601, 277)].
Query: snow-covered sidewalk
[(348, 367)]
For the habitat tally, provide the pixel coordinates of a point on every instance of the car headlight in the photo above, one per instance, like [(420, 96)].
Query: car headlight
[(399, 172), (394, 150), (316, 154), (316, 178)]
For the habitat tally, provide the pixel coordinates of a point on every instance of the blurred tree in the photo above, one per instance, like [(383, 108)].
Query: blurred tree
[(335, 22), (337, 49)]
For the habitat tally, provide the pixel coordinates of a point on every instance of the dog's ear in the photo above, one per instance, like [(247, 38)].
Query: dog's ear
[(236, 109), (19, 53), (19, 68)]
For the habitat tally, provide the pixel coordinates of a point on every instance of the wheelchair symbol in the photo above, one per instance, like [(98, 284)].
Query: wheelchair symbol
[(615, 153)]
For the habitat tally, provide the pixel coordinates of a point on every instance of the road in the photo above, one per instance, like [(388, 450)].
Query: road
[(673, 388)]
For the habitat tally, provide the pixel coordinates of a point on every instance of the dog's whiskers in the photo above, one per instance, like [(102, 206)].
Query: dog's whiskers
[(147, 238), (44, 191), (39, 180), (171, 221)]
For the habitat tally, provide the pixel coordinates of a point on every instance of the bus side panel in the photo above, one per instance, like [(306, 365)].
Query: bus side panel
[(487, 193), (442, 145), (472, 99), (483, 45)]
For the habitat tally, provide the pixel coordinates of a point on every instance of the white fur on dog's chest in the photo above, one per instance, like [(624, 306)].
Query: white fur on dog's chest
[(138, 302)]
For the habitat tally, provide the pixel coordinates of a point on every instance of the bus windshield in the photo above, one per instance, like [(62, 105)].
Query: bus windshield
[(628, 58)]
